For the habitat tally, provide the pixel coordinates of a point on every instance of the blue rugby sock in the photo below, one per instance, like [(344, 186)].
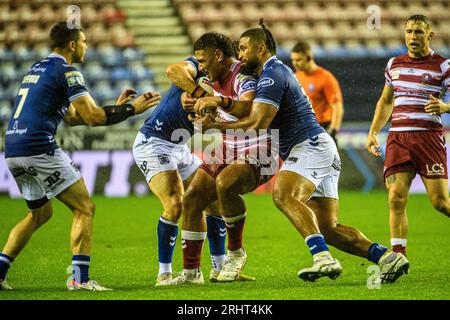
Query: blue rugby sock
[(5, 263), (167, 238), (375, 252), (316, 243), (80, 268), (216, 233)]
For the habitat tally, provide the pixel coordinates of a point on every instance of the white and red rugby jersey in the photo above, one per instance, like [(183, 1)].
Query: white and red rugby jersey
[(413, 81), (235, 86)]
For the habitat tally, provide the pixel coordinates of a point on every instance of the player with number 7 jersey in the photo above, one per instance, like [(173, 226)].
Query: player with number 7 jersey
[(52, 91)]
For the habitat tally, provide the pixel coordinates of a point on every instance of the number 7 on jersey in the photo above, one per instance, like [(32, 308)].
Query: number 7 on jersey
[(22, 92)]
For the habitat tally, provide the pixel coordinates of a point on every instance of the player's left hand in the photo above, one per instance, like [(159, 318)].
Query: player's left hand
[(206, 105), (436, 106), (126, 96)]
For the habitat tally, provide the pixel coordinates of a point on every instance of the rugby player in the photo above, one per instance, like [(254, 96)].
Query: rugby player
[(51, 91), (413, 94), (160, 151), (306, 189), (235, 174)]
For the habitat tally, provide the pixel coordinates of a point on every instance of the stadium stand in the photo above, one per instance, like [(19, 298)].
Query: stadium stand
[(335, 27), (112, 61)]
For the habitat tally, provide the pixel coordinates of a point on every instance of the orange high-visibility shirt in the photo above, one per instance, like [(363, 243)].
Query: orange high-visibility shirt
[(323, 90)]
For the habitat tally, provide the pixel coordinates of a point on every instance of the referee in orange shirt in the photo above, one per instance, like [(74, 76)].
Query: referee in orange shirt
[(321, 87)]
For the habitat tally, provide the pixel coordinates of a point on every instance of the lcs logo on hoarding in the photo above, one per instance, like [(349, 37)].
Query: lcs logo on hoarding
[(436, 169)]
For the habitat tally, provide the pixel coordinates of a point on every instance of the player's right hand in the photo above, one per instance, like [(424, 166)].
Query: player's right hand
[(145, 101), (373, 146)]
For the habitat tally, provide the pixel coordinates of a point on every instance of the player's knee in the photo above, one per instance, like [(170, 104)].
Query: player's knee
[(397, 200), (281, 199), (86, 208), (41, 215), (191, 195), (224, 186), (174, 208)]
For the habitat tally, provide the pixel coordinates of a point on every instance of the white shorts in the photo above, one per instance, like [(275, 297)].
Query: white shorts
[(43, 175), (317, 160), (154, 155)]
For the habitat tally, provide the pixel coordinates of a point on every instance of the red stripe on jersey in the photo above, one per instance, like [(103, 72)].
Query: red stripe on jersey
[(406, 108)]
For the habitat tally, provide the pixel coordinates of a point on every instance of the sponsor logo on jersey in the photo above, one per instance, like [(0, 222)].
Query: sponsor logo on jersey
[(31, 78), (436, 169), (54, 180), (426, 77), (74, 78), (164, 158), (395, 74), (248, 85), (19, 171), (16, 130), (291, 160), (266, 82)]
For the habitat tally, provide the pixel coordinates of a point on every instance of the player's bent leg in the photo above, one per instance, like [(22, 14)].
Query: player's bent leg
[(398, 185), (168, 188), (437, 190), (39, 212), (200, 193), (22, 232), (198, 196), (231, 183), (291, 191), (77, 199), (342, 237)]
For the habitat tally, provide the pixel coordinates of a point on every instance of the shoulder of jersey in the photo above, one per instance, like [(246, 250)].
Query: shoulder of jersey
[(243, 77)]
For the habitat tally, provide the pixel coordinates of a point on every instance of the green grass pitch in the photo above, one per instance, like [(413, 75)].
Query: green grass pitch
[(124, 254)]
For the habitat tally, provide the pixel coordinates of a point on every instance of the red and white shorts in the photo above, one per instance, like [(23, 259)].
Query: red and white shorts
[(423, 152)]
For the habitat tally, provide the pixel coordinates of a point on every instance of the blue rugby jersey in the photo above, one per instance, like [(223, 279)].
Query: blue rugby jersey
[(41, 103), (169, 115), (295, 118)]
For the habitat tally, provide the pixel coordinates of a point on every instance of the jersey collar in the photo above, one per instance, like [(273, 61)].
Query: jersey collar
[(426, 58), (272, 58), (55, 55)]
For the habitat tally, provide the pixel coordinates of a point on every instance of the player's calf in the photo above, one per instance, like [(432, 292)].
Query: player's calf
[(441, 204)]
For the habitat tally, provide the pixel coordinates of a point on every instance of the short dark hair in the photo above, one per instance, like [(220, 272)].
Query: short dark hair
[(214, 40), (61, 35), (420, 18), (262, 35), (302, 47)]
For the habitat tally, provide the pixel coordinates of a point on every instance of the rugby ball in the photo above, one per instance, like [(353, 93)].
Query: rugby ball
[(205, 84)]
